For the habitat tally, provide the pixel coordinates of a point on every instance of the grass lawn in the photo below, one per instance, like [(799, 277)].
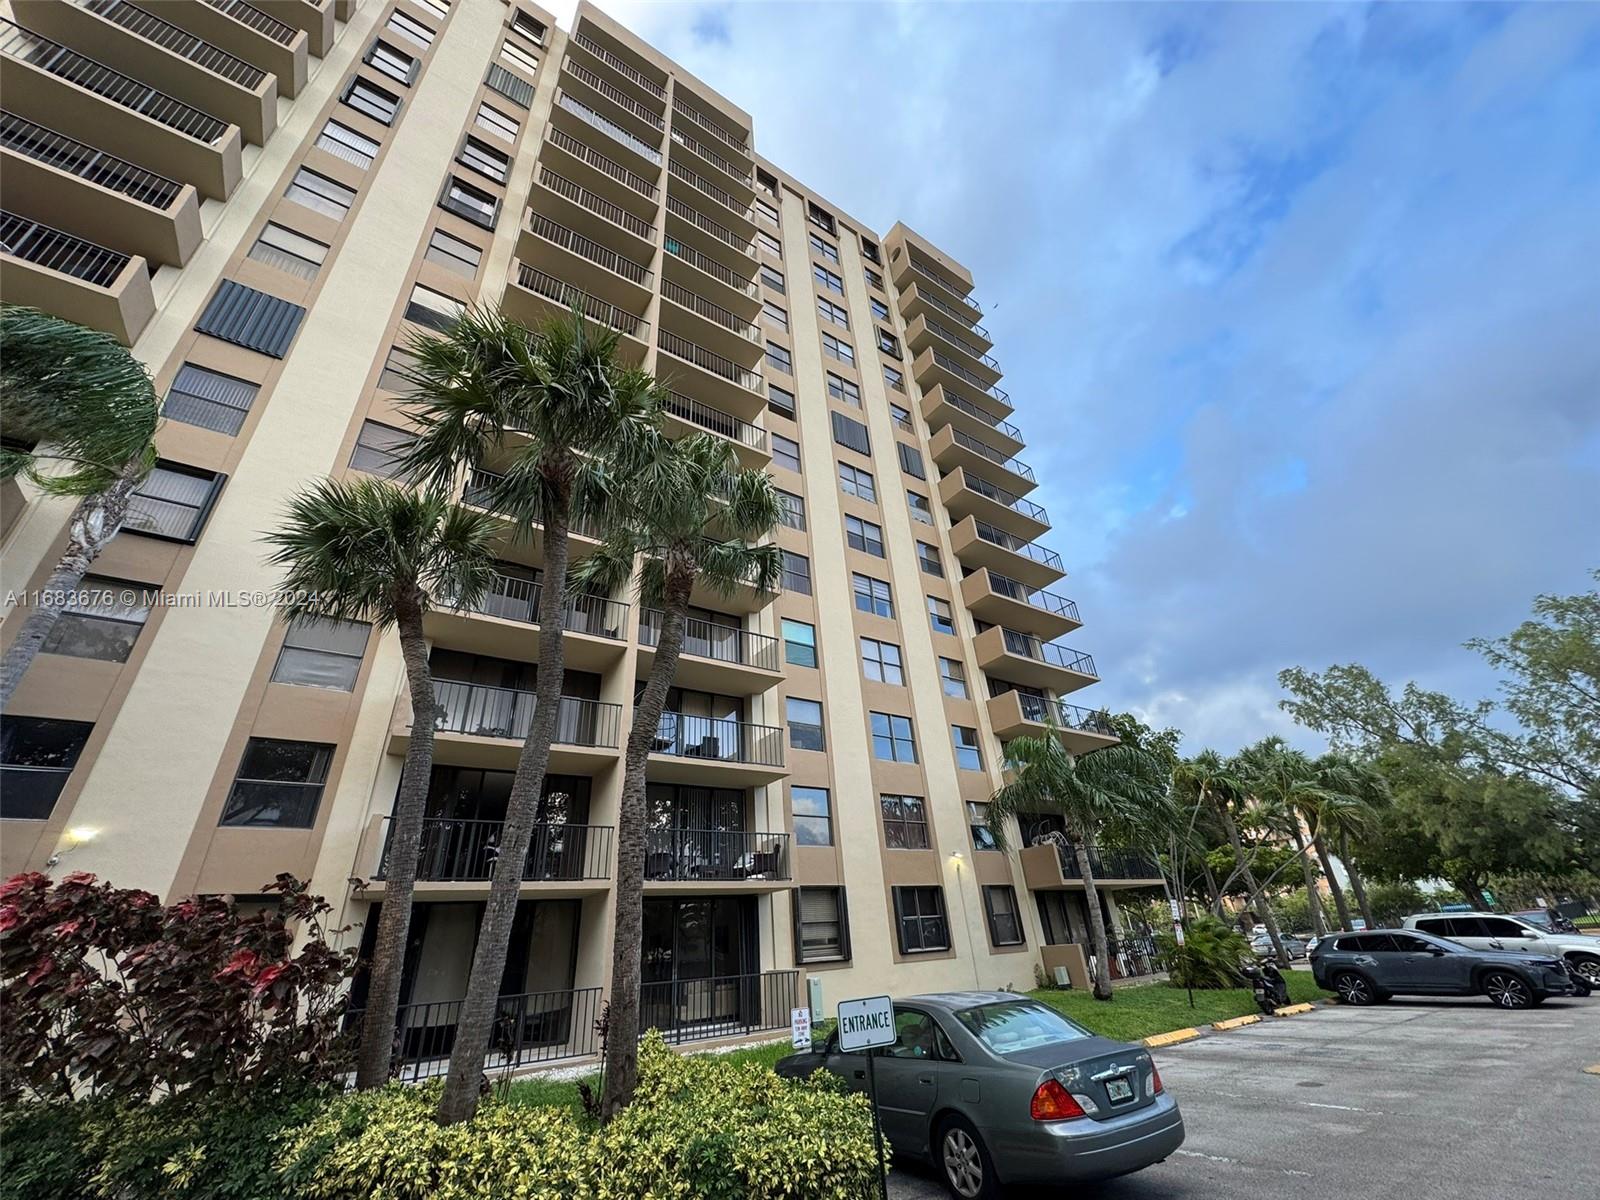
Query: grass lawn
[(1138, 1012), (1587, 922)]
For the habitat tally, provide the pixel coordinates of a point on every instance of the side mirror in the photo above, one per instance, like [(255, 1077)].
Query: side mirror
[(1437, 951), (1531, 933)]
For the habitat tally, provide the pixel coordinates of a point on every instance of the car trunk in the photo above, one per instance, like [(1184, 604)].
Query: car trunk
[(1096, 1068)]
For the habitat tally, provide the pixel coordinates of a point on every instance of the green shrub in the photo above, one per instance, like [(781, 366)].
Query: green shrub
[(1209, 957)]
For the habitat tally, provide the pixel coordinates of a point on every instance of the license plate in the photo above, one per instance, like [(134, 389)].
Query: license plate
[(1119, 1090)]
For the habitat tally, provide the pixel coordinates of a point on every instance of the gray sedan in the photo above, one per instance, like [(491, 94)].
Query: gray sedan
[(997, 1089)]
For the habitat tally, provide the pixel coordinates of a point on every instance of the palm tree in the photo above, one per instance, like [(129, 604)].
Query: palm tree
[(689, 516), (90, 411), (1287, 792), (551, 408), (1370, 790), (1105, 791), (372, 550)]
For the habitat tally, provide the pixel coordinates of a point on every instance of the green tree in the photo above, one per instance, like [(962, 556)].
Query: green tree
[(553, 411), (371, 550), (1358, 713), (89, 411), (689, 519)]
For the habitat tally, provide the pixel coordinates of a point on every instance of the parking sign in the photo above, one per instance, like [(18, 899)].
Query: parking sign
[(866, 1023)]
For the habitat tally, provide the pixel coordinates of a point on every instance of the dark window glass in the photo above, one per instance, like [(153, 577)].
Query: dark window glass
[(37, 755), (905, 822), (172, 502), (805, 723), (872, 595), (209, 399), (965, 741), (102, 619), (279, 784), (780, 400), (484, 159), (372, 100), (911, 460), (864, 536), (320, 193), (1005, 922), (821, 927), (796, 572), (920, 915), (380, 449), (321, 653), (813, 824), (892, 739), (785, 452)]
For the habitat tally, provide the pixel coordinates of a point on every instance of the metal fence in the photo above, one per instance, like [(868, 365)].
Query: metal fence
[(455, 849), (718, 1006), (715, 854), (532, 1028)]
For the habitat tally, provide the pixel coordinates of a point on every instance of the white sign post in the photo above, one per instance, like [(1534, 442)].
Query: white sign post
[(800, 1028), (864, 1024)]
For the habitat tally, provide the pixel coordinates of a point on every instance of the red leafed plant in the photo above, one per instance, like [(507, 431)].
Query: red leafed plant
[(106, 991)]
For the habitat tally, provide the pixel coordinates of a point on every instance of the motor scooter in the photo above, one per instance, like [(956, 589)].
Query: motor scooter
[(1267, 982)]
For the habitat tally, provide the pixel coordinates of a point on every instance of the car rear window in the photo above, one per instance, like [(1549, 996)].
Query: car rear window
[(1009, 1026)]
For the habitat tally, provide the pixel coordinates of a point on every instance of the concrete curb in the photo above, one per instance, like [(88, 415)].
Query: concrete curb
[(1172, 1038), (1290, 1010), (1236, 1022)]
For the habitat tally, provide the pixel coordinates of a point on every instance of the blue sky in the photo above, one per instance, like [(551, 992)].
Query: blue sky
[(1299, 304)]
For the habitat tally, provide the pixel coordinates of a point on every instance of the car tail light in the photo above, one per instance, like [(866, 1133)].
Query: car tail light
[(1152, 1082), (1052, 1102)]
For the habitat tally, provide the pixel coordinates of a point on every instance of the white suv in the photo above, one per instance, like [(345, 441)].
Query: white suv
[(1493, 931)]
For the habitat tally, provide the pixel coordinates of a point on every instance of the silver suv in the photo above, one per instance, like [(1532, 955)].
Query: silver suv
[(1495, 931)]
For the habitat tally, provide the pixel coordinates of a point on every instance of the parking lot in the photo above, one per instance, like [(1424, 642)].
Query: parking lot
[(1428, 1099)]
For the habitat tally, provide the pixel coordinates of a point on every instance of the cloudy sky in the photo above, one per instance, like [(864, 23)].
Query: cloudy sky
[(1299, 304)]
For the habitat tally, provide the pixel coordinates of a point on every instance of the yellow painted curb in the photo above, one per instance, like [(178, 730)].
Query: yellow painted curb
[(1290, 1010), (1172, 1038), (1237, 1022)]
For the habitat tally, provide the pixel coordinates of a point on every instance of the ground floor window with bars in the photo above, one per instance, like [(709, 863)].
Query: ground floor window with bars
[(279, 784), (1000, 909), (173, 502), (919, 914), (822, 932), (103, 619)]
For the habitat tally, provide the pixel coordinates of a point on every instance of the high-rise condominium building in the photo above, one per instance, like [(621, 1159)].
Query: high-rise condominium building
[(264, 199)]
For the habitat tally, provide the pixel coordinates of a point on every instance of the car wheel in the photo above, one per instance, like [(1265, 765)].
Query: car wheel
[(1586, 967), (1507, 990), (1354, 988), (968, 1169)]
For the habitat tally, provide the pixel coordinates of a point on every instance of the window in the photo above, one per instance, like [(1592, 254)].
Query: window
[(901, 417), (36, 757), (869, 251), (321, 194), (785, 452), (767, 181), (843, 390), (768, 243), (864, 536), (410, 27), (850, 433), (255, 320), (796, 573), (792, 514), (209, 399), (928, 560), (380, 449), (825, 249), (321, 653), (101, 619), (895, 379), (858, 483), (834, 348), (470, 203), (433, 309), (525, 24), (453, 254), (821, 932), (829, 311), (872, 595), (396, 64), (822, 219), (873, 278), (513, 87), (905, 822), (173, 502), (921, 510), (395, 376), (439, 8), (965, 740), (497, 123), (766, 212), (372, 100), (911, 460), (892, 739), (919, 913), (978, 826), (799, 643), (1000, 907), (940, 615), (279, 784), (880, 310), (888, 343), (781, 401), (484, 159), (293, 253), (954, 676), (778, 359), (880, 662), (518, 55), (775, 315), (805, 724), (826, 278), (773, 279)]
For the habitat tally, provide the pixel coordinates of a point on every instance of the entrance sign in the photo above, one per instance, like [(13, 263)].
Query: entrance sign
[(800, 1028), (866, 1023)]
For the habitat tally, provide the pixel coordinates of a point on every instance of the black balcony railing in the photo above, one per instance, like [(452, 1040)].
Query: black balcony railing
[(720, 855), (478, 710), (633, 76), (1068, 716), (636, 110), (1033, 597), (610, 128), (1000, 495), (597, 204), (707, 360), (458, 850), (514, 599), (249, 14), (733, 141), (1109, 864), (719, 1006), (593, 157), (1007, 541), (999, 457), (535, 1027), (1029, 646), (721, 273), (57, 251), (951, 310), (575, 243), (1133, 955), (706, 639), (714, 313), (704, 223), (978, 413), (715, 420), (179, 41), (966, 376), (935, 275), (700, 183), (568, 295), (719, 739), (960, 343), (481, 490), (721, 162), (76, 158)]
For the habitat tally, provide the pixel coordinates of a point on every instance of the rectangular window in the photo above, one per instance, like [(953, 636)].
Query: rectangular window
[(775, 315), (321, 194), (37, 755), (954, 676), (834, 348), (1000, 907), (880, 310), (873, 278), (921, 510), (396, 374), (453, 254), (796, 572), (851, 434), (901, 418), (766, 212), (768, 243), (470, 203), (396, 64), (792, 514), (380, 449), (905, 822), (101, 620), (822, 219), (209, 399), (826, 278), (778, 359), (892, 739), (911, 461), (773, 279), (513, 87), (928, 560), (255, 320), (919, 913), (837, 313), (843, 390), (826, 249), (895, 379), (497, 123), (410, 27), (433, 309), (872, 595), (857, 483), (173, 502), (864, 536), (290, 252), (888, 343), (781, 401), (322, 653), (799, 643), (279, 784), (940, 615), (805, 724), (880, 662), (371, 100), (785, 452), (821, 931), (525, 24), (965, 740), (978, 826), (484, 159), (439, 8), (519, 56), (869, 251)]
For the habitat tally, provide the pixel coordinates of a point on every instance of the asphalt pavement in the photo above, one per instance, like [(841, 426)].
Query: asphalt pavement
[(1437, 1099)]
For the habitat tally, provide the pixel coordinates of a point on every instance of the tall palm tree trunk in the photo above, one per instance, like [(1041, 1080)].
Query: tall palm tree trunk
[(96, 520), (1257, 900), (476, 1024), (1212, 889), (622, 1032), (1319, 921), (1357, 884), (1097, 922), (400, 860), (1334, 889)]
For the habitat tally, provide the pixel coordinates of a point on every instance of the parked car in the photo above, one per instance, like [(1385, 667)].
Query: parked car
[(1494, 931), (1294, 947), (1548, 919), (997, 1089), (1364, 968)]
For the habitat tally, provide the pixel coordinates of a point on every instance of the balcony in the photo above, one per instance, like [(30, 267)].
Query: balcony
[(716, 860), (480, 492), (954, 449), (498, 625), (47, 82), (716, 752), (1022, 658), (75, 279), (999, 600), (934, 368), (530, 1029), (698, 272), (943, 406), (573, 116), (738, 143), (924, 331), (601, 174), (50, 176), (1050, 867), (715, 658), (719, 1006), (279, 46), (483, 726), (635, 78), (722, 243), (592, 214), (642, 119), (724, 170), (536, 295), (1080, 730), (979, 544), (720, 380), (696, 188), (684, 414), (913, 267), (314, 18), (464, 852), (568, 254), (706, 322), (966, 494), (917, 299)]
